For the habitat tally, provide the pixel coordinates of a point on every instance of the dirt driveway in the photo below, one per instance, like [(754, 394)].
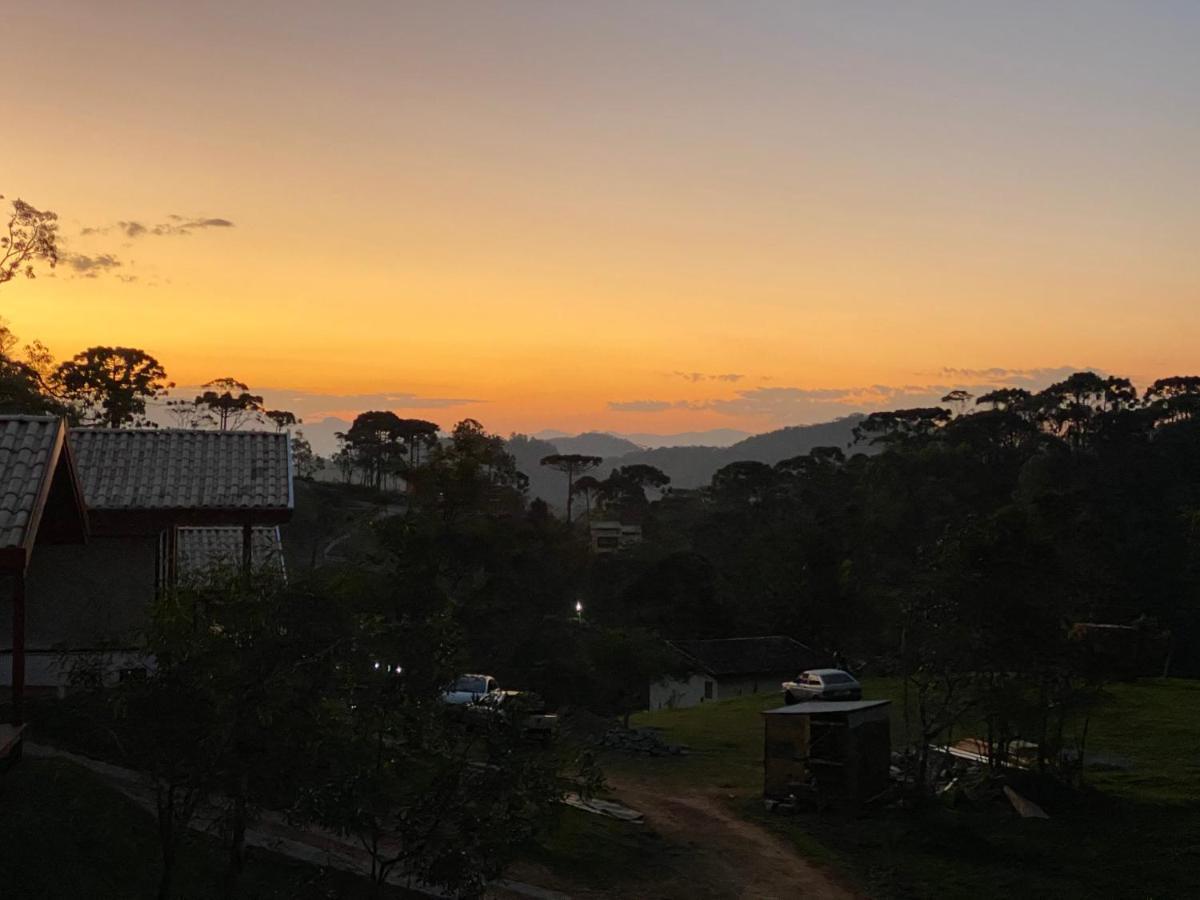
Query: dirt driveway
[(707, 852), (748, 861)]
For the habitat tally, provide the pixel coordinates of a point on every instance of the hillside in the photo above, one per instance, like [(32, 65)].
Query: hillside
[(689, 466), (595, 443)]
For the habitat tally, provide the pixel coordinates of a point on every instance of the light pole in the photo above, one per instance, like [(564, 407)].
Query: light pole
[(578, 610)]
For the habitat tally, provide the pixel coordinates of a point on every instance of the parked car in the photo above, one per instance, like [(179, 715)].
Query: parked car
[(468, 689), (481, 695), (822, 684)]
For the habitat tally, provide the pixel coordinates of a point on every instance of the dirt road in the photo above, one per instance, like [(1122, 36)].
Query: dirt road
[(748, 861)]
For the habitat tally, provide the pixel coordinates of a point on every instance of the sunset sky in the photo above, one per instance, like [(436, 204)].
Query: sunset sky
[(640, 216)]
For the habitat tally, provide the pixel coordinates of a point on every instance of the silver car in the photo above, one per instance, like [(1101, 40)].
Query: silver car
[(822, 684)]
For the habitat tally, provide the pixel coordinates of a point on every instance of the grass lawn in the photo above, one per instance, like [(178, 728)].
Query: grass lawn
[(65, 833), (1133, 832)]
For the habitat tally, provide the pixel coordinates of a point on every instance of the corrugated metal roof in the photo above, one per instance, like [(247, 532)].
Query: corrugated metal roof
[(204, 549), (27, 446), (816, 707), (168, 468)]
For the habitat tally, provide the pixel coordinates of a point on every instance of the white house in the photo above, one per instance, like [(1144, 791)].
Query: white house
[(732, 667)]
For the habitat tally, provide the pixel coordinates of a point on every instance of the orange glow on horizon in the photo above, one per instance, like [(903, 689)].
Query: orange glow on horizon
[(562, 215)]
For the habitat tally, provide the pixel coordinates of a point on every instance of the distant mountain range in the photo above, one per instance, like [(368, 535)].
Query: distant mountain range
[(688, 466), (715, 437), (320, 434)]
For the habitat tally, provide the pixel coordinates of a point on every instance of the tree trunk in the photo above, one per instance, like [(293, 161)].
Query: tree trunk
[(237, 840), (166, 839)]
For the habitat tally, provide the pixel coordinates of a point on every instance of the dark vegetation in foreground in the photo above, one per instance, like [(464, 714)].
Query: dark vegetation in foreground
[(67, 834)]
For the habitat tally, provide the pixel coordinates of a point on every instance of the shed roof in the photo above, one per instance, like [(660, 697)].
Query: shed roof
[(816, 707), (33, 460), (177, 469), (750, 655), (203, 549)]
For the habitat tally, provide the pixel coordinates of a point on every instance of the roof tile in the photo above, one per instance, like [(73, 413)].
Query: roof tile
[(182, 469), (26, 445)]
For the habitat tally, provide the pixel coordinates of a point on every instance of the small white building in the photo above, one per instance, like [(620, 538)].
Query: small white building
[(732, 667), (609, 537)]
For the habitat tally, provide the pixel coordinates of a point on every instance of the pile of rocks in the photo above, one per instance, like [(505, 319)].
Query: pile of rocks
[(638, 740)]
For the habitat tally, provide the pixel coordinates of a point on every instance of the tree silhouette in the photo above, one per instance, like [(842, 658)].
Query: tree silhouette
[(747, 481), (625, 488), (1005, 398), (281, 418), (959, 399), (110, 385), (230, 403), (186, 414), (23, 382), (31, 236), (306, 463), (572, 464), (417, 433), (588, 486), (1174, 399), (901, 424), (374, 441)]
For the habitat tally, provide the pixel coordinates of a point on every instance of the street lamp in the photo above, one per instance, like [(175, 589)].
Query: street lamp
[(579, 610)]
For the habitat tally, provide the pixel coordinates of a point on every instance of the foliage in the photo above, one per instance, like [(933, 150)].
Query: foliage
[(384, 446), (229, 403), (307, 463), (110, 385), (31, 237), (571, 464), (23, 381), (238, 666), (68, 833), (282, 419)]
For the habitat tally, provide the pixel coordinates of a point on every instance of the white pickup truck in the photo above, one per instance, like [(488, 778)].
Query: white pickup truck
[(481, 693)]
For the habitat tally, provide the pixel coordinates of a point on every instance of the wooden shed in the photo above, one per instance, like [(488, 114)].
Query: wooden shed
[(833, 753)]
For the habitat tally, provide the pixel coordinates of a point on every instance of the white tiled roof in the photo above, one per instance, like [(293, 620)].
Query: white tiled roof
[(156, 469)]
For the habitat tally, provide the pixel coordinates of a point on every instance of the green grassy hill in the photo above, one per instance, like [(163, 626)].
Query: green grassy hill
[(1133, 831)]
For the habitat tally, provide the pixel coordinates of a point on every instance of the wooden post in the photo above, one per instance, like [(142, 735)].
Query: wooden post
[(172, 536), (247, 550), (18, 650)]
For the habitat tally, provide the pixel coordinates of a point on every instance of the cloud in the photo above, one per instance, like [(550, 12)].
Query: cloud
[(695, 377), (643, 406), (175, 225), (180, 225), (307, 403), (401, 400), (794, 405), (90, 266), (996, 376)]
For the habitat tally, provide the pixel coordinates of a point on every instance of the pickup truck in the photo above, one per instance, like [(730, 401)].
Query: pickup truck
[(481, 694)]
